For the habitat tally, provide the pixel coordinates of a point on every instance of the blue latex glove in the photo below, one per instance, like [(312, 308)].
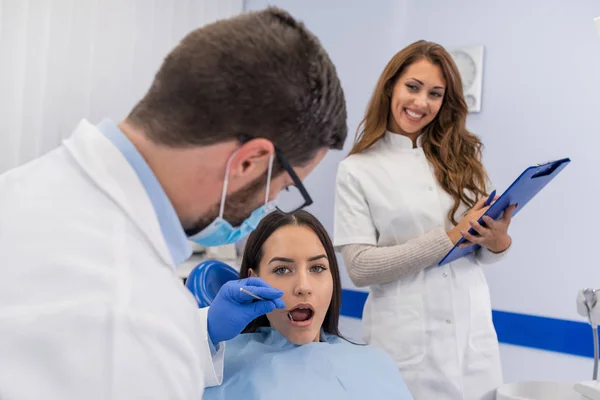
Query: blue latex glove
[(231, 310)]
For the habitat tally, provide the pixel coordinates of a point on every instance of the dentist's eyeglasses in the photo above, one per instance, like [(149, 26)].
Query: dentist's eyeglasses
[(294, 197)]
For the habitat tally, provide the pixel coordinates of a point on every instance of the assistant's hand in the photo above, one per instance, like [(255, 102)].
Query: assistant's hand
[(231, 310), (465, 224), (494, 236)]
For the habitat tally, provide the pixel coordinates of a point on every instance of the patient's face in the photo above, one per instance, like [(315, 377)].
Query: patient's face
[(295, 261)]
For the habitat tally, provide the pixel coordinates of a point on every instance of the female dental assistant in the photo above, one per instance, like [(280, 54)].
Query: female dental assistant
[(412, 186)]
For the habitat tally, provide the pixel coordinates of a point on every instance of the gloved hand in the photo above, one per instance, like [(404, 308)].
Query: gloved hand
[(232, 310)]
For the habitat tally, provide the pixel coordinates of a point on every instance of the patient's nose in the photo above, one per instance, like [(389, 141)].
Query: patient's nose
[(303, 286)]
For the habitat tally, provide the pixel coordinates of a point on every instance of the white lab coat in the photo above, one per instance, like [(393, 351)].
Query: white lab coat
[(436, 324), (90, 307)]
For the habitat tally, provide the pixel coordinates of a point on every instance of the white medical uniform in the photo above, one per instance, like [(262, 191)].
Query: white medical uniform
[(437, 324), (90, 307)]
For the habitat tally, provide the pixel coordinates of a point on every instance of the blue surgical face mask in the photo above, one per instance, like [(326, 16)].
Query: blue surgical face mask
[(220, 232)]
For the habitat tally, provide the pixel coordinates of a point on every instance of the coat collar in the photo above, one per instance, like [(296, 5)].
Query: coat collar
[(112, 173), (396, 140)]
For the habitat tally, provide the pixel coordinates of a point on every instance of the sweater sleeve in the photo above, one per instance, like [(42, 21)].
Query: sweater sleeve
[(368, 264)]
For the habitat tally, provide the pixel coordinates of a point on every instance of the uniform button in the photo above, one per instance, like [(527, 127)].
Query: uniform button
[(430, 189), (448, 321), (445, 274)]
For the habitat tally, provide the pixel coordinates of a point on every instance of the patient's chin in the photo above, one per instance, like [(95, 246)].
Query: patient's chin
[(300, 338)]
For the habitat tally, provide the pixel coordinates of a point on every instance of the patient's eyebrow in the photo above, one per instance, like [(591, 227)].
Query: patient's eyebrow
[(289, 260), (281, 259)]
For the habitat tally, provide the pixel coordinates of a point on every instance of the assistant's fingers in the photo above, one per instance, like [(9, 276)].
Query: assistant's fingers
[(478, 228), (508, 212), (472, 238), (480, 203), (490, 222)]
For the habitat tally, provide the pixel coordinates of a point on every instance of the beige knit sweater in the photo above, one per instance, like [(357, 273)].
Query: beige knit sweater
[(370, 265)]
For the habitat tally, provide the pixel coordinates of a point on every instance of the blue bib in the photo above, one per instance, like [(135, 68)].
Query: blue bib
[(264, 365)]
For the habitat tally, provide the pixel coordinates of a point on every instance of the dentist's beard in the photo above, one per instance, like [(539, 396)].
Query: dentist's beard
[(238, 206)]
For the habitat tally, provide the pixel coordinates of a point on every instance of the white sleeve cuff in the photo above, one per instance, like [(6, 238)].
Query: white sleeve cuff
[(213, 367), (485, 256)]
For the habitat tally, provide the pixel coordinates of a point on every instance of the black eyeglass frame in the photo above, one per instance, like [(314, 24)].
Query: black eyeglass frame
[(290, 170)]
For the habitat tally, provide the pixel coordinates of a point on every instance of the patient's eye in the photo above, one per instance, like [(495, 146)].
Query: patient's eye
[(281, 270), (318, 268)]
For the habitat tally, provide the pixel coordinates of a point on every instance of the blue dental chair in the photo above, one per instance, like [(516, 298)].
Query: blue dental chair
[(205, 280)]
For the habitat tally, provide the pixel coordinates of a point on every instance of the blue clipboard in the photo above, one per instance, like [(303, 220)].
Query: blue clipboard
[(523, 189)]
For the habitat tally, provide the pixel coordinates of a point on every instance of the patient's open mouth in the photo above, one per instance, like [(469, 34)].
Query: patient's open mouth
[(301, 314)]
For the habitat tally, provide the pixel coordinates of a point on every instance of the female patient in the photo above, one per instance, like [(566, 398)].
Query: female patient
[(298, 352)]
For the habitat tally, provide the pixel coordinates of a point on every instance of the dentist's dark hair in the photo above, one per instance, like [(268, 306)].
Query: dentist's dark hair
[(258, 74), (253, 255)]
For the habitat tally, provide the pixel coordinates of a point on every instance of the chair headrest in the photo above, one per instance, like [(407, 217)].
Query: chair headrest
[(205, 280)]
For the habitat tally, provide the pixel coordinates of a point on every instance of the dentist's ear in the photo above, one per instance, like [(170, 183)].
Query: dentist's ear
[(252, 157)]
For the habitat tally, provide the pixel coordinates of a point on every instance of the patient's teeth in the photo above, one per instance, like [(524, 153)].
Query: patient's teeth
[(290, 316)]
